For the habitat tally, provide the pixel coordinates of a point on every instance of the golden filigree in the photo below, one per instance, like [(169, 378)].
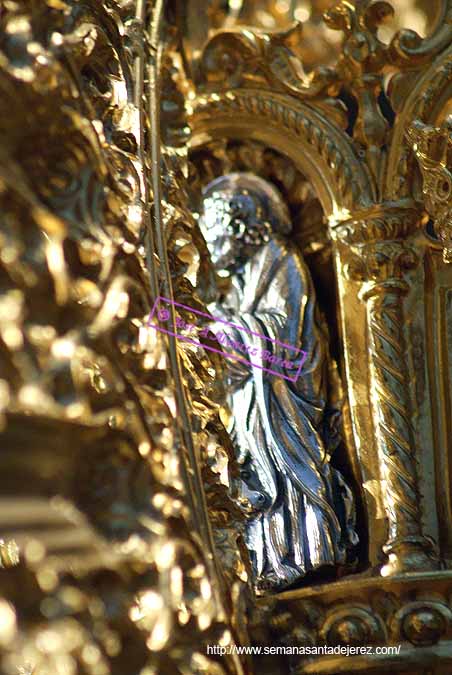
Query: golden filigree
[(99, 502), (121, 544), (432, 147)]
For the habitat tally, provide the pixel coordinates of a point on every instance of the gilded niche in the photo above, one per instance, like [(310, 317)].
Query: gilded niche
[(285, 427)]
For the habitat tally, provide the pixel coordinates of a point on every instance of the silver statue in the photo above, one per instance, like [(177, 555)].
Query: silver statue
[(301, 512)]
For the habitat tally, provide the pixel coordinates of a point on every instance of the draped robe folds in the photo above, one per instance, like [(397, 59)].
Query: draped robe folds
[(284, 432)]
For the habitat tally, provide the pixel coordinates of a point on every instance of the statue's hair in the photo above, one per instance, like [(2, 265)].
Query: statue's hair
[(272, 216)]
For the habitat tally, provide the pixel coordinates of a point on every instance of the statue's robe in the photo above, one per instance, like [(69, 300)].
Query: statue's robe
[(285, 432)]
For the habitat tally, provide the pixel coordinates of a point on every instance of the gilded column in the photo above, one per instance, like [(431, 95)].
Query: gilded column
[(380, 257)]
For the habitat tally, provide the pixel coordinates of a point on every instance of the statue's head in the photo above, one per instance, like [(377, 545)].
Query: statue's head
[(240, 211)]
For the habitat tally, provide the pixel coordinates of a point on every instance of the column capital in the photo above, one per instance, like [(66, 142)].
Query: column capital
[(387, 221), (384, 263)]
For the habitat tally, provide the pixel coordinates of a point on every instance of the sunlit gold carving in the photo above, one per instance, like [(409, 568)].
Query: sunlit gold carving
[(384, 264), (121, 537), (433, 151), (110, 552)]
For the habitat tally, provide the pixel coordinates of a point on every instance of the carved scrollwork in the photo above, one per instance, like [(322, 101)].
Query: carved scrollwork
[(409, 50), (433, 150), (414, 97), (423, 623), (359, 69), (236, 56), (353, 625)]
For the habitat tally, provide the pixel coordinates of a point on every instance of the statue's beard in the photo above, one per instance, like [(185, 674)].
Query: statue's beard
[(234, 260)]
